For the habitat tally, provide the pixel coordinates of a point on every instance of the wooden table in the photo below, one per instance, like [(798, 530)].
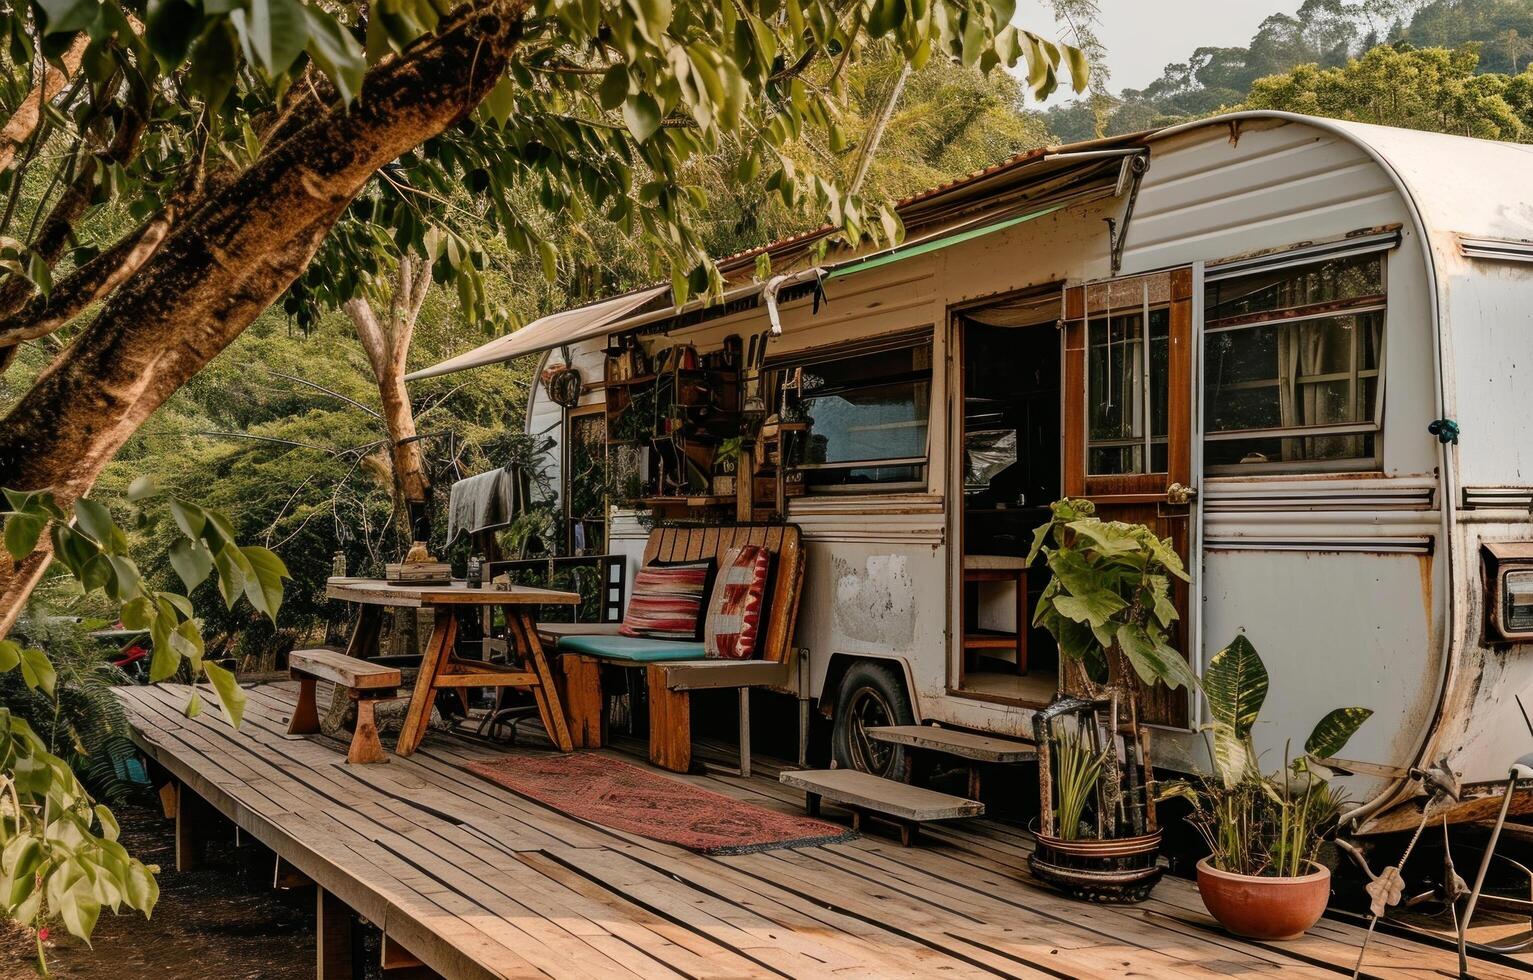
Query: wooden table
[(439, 666)]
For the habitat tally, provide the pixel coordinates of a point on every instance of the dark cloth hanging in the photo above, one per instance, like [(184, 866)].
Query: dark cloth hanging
[(487, 501)]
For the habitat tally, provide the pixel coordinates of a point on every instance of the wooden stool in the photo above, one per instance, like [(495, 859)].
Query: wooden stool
[(997, 568)]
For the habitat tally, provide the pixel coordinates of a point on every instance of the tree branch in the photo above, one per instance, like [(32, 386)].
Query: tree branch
[(19, 128)]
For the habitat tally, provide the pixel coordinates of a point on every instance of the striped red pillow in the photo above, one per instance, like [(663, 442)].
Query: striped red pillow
[(667, 602), (735, 611)]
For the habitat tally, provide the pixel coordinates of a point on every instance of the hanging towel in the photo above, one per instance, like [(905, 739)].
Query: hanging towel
[(489, 500)]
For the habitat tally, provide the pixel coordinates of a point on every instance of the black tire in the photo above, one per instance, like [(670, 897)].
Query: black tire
[(871, 694)]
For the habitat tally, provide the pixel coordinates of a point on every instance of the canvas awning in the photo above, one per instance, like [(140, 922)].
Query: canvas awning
[(545, 333)]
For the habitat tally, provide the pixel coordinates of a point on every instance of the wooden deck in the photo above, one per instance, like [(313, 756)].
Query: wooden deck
[(478, 882)]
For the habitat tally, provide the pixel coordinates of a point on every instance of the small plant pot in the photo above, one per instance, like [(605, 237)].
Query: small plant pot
[(1118, 871), (1265, 907)]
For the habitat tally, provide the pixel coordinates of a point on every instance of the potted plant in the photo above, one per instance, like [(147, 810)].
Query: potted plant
[(1263, 878), (1108, 606)]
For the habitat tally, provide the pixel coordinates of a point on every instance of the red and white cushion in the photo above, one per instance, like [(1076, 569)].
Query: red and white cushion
[(732, 628), (667, 601)]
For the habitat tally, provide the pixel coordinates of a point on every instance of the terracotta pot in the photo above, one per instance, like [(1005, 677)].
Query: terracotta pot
[(1262, 907)]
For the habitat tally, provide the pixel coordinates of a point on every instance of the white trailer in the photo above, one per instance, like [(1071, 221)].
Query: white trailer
[(1257, 332)]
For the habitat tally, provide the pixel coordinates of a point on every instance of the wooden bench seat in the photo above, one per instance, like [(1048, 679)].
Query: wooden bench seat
[(901, 804), (673, 669), (365, 683)]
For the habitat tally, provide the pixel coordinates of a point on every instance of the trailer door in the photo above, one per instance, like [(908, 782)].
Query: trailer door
[(1128, 421)]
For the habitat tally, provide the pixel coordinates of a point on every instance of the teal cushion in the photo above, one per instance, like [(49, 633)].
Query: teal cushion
[(635, 648)]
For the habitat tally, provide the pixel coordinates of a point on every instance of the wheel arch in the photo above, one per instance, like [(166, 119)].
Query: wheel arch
[(841, 663)]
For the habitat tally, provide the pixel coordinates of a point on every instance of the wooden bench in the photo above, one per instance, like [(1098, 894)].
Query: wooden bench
[(971, 747), (364, 682), (670, 681), (901, 804)]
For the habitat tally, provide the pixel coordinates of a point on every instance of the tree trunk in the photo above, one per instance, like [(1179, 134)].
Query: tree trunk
[(387, 346), (228, 260)]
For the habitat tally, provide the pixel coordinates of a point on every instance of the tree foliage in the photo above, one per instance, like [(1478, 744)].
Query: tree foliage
[(1325, 34), (1434, 89), (59, 855)]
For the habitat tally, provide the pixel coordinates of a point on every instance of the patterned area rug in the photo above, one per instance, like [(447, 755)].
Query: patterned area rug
[(615, 794)]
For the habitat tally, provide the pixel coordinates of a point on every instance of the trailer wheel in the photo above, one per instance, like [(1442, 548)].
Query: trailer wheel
[(872, 694)]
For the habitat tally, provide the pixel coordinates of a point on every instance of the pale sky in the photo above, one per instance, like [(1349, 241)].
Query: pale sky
[(1143, 36)]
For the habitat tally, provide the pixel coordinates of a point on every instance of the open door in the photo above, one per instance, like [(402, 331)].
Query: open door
[(1128, 403)]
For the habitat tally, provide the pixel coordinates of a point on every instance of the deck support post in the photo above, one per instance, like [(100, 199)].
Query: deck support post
[(332, 937), (190, 813)]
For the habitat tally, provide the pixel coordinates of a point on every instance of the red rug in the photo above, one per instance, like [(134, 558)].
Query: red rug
[(640, 801)]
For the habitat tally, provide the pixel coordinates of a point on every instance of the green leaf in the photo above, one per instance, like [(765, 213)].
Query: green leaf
[(1153, 661), (641, 114), (233, 571), (189, 517), (138, 614), (170, 27), (229, 692), (95, 520), (263, 583), (193, 705), (1334, 730), (10, 656), (1235, 683), (21, 534), (276, 31), (65, 16), (501, 102), (1094, 608), (79, 909), (614, 87), (109, 828), (1233, 757), (164, 661), (37, 670), (142, 488), (337, 53), (186, 640), (192, 561)]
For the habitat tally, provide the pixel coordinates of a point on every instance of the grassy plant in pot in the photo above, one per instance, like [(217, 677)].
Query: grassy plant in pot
[(1262, 878), (1108, 606)]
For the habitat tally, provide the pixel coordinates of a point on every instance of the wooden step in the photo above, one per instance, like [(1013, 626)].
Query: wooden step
[(964, 745), (902, 804)]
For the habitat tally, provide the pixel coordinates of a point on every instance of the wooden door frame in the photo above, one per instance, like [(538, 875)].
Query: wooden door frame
[(571, 414), (1184, 463), (954, 673)]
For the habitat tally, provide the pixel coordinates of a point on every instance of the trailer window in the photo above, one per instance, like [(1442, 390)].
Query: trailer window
[(1126, 380), (1291, 367), (867, 418)]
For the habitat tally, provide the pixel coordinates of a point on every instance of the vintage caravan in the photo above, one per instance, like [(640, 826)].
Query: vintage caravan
[(1302, 349)]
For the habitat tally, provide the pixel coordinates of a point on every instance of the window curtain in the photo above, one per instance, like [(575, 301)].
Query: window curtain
[(1305, 350)]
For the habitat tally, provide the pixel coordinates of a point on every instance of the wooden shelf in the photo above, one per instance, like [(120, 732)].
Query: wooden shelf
[(702, 500), (642, 379), (990, 640)]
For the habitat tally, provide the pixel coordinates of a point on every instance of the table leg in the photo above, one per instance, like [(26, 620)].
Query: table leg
[(364, 637), (443, 632), (546, 693)]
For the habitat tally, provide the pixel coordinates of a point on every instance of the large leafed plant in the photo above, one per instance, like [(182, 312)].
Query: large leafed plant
[(1109, 602), (1256, 823)]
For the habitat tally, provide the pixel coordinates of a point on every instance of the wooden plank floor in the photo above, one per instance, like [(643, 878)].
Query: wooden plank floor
[(479, 882)]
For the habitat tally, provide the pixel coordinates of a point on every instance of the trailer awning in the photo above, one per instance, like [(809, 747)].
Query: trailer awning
[(546, 333)]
